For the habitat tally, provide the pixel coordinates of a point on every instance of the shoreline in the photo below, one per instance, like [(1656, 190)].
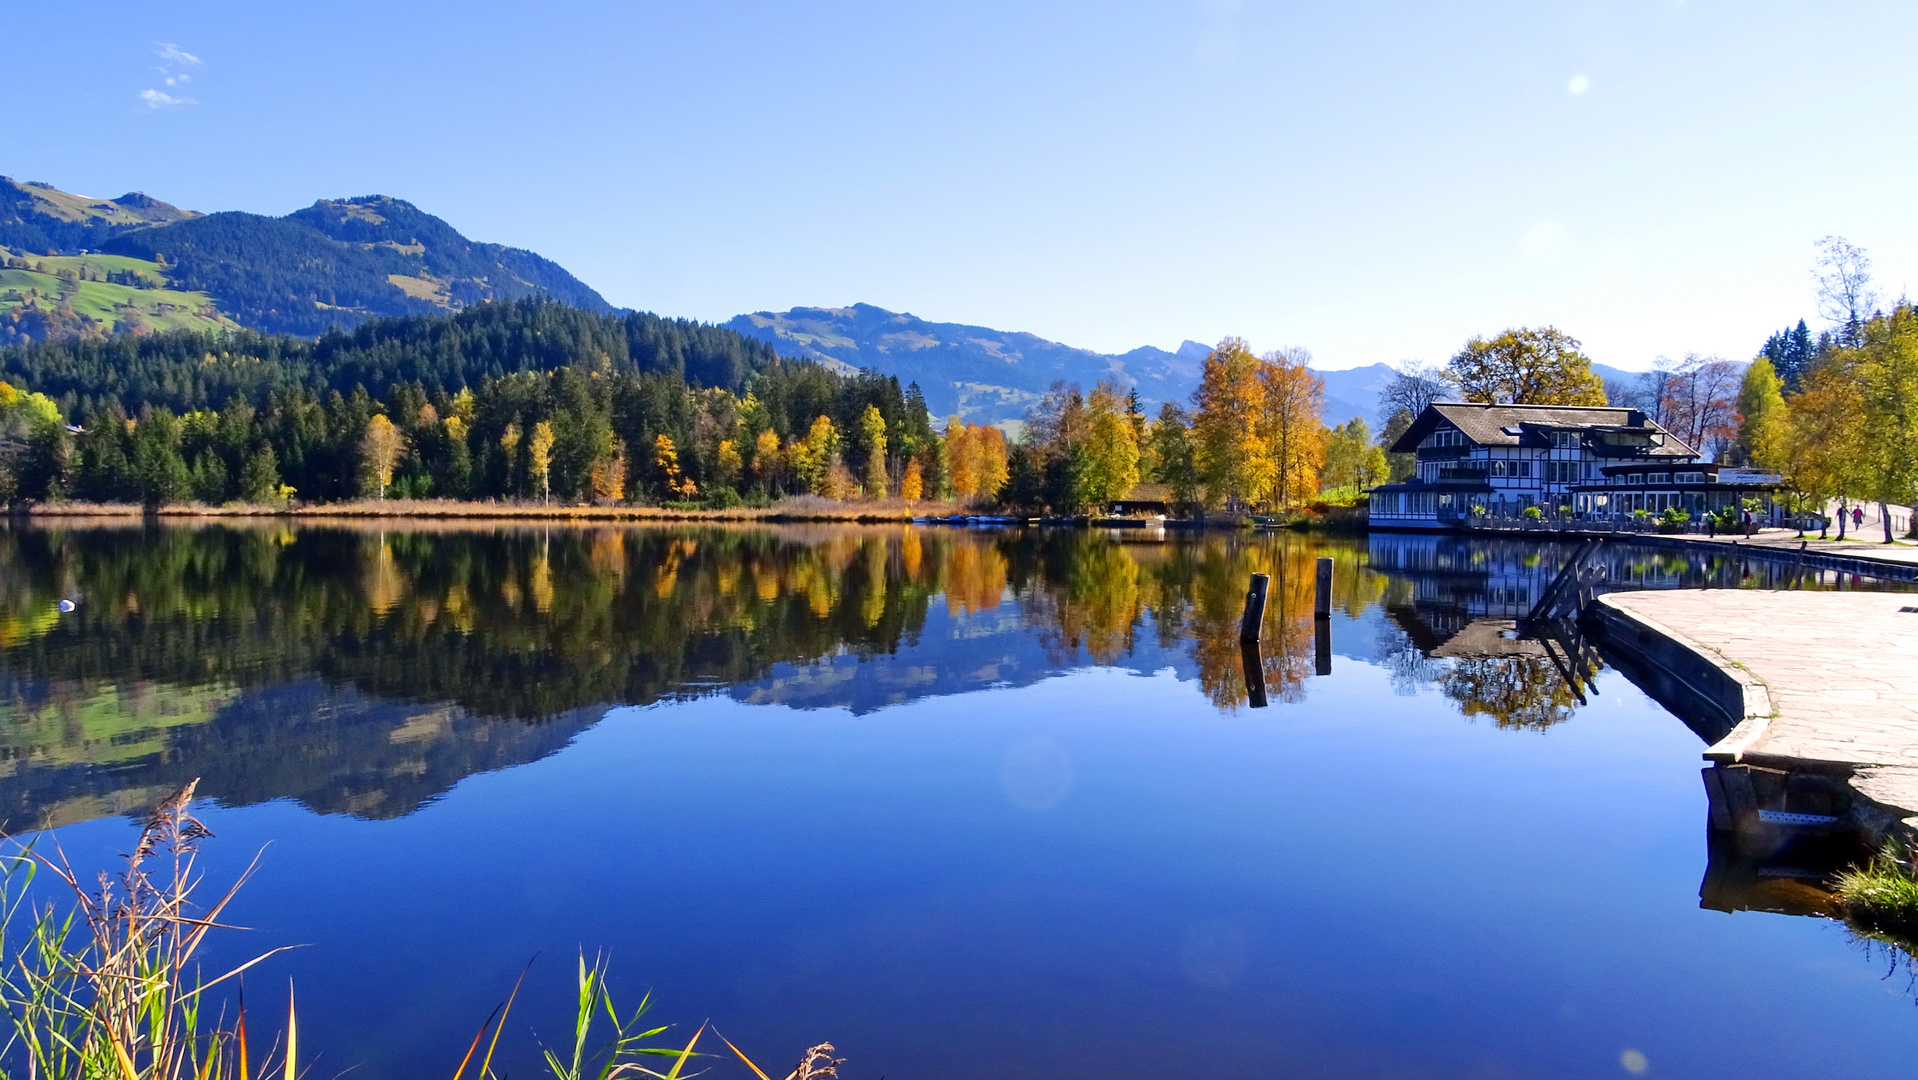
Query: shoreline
[(1816, 710), (891, 511)]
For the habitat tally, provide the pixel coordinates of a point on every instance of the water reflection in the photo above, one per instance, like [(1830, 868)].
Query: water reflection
[(363, 671)]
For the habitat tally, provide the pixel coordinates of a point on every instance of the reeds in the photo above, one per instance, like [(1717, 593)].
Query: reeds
[(108, 989)]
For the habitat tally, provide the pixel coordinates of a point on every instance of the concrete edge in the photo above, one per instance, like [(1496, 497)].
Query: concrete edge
[(1755, 709)]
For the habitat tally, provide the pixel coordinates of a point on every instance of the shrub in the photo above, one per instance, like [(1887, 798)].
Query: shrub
[(1532, 513)]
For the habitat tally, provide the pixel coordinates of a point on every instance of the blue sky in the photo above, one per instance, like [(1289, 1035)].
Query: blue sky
[(1371, 181)]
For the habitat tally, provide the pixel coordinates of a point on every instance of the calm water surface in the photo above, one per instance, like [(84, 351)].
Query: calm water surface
[(964, 803)]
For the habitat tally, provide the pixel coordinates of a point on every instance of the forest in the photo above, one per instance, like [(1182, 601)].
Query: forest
[(520, 400)]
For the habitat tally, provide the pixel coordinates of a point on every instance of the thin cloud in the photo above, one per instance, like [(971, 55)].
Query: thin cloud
[(173, 69), (160, 99), (173, 54)]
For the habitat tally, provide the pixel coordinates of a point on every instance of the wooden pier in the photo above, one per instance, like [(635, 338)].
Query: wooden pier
[(1789, 688)]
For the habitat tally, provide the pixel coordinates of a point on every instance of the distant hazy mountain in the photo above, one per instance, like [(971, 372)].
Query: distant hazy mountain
[(983, 375), (333, 264)]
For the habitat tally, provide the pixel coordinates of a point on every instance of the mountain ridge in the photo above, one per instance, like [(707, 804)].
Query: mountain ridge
[(978, 373), (331, 265)]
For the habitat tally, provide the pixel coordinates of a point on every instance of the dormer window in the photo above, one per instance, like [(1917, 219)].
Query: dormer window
[(1445, 437), (1565, 440), (1691, 478)]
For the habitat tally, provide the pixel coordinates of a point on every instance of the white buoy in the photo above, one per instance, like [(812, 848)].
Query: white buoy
[(66, 605)]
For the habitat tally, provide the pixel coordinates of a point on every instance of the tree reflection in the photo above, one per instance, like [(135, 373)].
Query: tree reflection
[(1516, 691), (410, 643)]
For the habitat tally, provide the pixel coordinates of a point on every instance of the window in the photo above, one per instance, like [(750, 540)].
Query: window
[(1565, 440), (1521, 468), (1562, 472), (1691, 478), (1497, 467), (1636, 478), (1446, 437), (1658, 478)]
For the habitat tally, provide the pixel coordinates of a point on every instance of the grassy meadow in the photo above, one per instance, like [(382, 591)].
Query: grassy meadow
[(103, 302)]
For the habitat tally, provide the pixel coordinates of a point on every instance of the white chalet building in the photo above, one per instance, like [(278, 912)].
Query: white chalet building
[(1508, 457)]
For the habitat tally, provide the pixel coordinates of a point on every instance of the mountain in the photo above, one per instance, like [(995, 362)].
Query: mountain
[(332, 265), (980, 374), (1355, 392), (41, 219)]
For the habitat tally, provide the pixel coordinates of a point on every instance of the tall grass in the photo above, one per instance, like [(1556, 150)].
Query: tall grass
[(108, 988), (1883, 893)]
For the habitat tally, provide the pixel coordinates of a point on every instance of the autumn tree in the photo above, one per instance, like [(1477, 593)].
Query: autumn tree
[(1882, 368), (381, 448), (767, 466), (872, 431), (1526, 366), (539, 459), (666, 464), (1291, 435), (913, 483), (1112, 448), (1761, 409), (812, 457), (727, 465), (1226, 407), (608, 475), (1827, 449), (975, 458), (509, 440)]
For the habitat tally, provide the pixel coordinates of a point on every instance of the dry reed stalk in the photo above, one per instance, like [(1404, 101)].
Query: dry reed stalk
[(126, 1000)]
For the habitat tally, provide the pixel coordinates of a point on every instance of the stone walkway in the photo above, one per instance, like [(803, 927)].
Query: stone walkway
[(1831, 678)]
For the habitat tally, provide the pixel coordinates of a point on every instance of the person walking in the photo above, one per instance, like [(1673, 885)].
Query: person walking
[(1857, 519), (1711, 527)]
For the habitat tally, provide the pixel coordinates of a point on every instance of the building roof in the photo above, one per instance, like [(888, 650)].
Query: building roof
[(1526, 425), (1147, 493)]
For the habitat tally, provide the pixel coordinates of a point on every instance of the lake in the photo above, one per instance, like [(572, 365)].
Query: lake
[(963, 802)]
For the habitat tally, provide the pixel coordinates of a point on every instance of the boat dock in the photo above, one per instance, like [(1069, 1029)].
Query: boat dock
[(1808, 699)]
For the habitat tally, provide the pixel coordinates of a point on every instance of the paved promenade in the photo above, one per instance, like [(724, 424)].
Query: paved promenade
[(1786, 541), (1830, 679)]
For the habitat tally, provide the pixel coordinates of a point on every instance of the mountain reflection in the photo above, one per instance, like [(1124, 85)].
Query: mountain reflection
[(364, 671)]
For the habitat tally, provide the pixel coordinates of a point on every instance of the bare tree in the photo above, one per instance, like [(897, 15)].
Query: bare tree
[(1845, 295), (1698, 401), (1413, 387)]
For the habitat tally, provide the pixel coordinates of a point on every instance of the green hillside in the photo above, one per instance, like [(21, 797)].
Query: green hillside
[(66, 295), (333, 265)]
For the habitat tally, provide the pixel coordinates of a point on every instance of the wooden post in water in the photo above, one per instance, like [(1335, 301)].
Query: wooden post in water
[(1252, 623), (1322, 598), (1254, 673)]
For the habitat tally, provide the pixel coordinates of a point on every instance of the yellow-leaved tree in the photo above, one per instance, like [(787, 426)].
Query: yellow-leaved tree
[(1226, 407), (539, 459), (872, 430), (1291, 433), (381, 448)]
